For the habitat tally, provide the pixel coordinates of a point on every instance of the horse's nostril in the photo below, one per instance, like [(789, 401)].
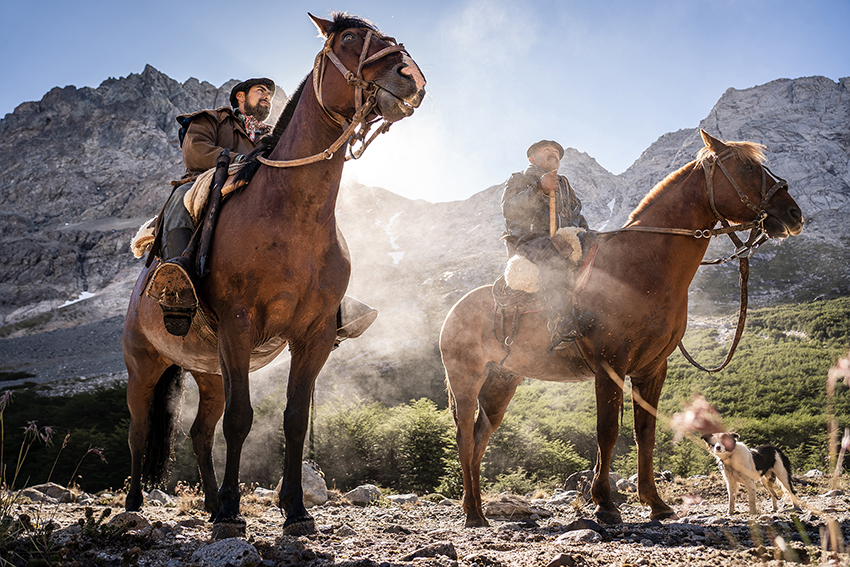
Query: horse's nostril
[(399, 70)]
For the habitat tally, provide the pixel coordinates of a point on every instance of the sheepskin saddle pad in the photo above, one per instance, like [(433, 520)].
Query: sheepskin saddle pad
[(195, 201)]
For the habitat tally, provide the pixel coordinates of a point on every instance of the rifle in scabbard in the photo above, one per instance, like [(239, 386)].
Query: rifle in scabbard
[(214, 202)]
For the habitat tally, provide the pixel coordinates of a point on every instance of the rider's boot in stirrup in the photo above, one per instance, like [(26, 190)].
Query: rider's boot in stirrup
[(172, 284)]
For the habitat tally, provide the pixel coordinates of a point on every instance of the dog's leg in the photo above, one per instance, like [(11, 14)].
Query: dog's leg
[(750, 485), (784, 478), (731, 489), (768, 484)]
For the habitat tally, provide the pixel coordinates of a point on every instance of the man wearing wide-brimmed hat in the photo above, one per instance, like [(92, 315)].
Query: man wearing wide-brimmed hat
[(203, 135), (543, 223)]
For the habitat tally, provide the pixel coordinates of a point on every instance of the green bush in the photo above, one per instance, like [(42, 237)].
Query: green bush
[(404, 447), (774, 391)]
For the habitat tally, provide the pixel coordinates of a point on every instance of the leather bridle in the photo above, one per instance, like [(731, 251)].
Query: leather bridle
[(743, 250), (758, 233), (350, 134)]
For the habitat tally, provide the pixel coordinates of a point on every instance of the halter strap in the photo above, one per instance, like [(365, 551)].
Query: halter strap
[(362, 108)]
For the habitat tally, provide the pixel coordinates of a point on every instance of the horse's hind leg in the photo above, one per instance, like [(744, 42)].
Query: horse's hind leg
[(143, 375), (210, 410)]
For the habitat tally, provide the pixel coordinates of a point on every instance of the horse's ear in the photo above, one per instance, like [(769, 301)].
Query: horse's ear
[(322, 25), (712, 143)]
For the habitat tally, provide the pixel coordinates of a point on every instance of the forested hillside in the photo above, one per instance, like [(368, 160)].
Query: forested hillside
[(774, 391)]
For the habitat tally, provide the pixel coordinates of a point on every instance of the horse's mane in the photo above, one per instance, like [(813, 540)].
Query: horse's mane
[(344, 20), (744, 151)]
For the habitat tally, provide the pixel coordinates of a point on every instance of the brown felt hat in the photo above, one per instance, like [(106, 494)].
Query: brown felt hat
[(533, 147), (245, 86)]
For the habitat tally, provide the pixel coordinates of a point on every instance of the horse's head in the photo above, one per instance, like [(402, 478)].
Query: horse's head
[(371, 65), (747, 191)]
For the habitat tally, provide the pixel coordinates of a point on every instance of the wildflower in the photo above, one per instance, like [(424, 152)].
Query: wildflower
[(97, 451), (841, 371), (5, 399), (32, 427), (46, 434)]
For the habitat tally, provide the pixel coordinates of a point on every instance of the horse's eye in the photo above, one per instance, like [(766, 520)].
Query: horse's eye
[(348, 37), (747, 167)]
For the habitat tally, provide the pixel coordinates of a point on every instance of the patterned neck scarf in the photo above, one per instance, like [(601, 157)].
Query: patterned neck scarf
[(255, 128)]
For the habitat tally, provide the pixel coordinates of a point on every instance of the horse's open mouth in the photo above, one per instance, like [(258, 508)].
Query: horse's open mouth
[(392, 107)]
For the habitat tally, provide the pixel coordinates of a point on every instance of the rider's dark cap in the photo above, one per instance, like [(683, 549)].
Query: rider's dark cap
[(245, 86), (533, 147)]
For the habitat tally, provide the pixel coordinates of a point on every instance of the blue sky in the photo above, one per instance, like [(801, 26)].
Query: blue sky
[(605, 77)]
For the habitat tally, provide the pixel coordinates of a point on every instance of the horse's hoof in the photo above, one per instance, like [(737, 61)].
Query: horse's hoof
[(133, 503), (225, 529), (668, 514), (608, 515), (477, 522), (301, 526)]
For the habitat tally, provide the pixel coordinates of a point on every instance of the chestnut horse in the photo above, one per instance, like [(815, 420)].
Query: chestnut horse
[(638, 290), (278, 272)]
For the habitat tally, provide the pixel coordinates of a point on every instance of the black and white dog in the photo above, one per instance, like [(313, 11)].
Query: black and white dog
[(741, 465)]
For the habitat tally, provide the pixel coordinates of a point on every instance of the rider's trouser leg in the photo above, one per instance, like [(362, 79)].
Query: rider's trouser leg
[(172, 284)]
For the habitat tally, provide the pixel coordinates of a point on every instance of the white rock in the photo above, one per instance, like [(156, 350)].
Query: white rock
[(227, 552), (403, 499), (585, 536), (363, 495)]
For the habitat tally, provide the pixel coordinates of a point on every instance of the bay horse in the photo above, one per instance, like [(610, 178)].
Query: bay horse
[(638, 291), (278, 272)]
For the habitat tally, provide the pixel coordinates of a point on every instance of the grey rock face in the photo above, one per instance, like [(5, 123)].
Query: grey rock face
[(83, 168)]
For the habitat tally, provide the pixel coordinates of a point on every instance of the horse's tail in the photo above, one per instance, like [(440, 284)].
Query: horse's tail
[(452, 402), (162, 426)]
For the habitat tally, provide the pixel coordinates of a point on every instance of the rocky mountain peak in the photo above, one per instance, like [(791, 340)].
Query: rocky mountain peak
[(85, 167)]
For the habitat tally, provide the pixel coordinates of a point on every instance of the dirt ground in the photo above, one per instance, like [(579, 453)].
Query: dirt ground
[(431, 533)]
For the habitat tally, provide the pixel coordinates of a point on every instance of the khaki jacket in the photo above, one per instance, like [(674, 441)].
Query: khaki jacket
[(204, 134)]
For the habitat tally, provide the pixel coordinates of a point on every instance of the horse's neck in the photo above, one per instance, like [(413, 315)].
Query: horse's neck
[(310, 132), (683, 205)]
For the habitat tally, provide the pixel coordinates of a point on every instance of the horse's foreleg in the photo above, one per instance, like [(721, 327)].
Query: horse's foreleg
[(609, 401), (307, 361), (649, 390), (490, 397), (210, 409), (234, 357)]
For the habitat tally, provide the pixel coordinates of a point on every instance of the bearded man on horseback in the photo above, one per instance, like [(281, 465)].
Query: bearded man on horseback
[(204, 135), (544, 224)]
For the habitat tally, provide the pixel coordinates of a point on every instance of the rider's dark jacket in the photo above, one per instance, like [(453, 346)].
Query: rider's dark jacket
[(526, 207)]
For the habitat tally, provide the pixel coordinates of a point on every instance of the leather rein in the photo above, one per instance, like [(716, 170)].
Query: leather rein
[(743, 250), (350, 133)]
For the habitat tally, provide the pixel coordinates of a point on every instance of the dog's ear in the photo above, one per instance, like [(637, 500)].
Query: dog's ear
[(735, 435), (706, 437), (729, 440)]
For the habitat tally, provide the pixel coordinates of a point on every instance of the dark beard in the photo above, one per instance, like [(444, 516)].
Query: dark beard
[(258, 112)]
